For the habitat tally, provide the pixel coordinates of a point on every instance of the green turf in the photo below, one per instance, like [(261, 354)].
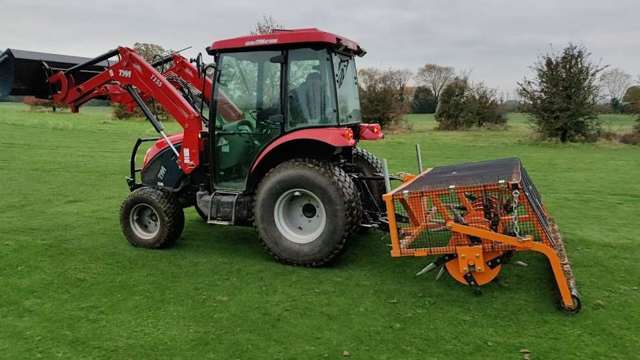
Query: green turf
[(71, 286)]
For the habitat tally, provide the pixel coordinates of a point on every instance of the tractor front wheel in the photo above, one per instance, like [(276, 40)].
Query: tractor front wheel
[(201, 213), (151, 218), (305, 210)]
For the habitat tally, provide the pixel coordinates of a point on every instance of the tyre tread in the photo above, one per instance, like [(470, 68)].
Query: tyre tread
[(168, 205), (353, 207)]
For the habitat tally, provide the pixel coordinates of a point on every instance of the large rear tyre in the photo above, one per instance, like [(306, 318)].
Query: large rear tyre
[(305, 211), (151, 218)]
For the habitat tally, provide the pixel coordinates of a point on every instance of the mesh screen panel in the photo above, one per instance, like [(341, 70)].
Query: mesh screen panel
[(496, 195)]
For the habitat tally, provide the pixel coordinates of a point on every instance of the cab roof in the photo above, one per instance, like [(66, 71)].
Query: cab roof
[(286, 37)]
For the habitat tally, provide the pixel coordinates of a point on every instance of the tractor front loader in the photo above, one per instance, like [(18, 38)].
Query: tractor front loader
[(270, 138)]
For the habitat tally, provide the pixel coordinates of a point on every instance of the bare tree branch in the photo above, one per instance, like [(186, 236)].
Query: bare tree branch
[(266, 26), (615, 82), (436, 77)]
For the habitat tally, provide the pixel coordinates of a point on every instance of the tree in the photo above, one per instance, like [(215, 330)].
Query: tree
[(424, 102), (463, 106), (266, 26), (632, 94), (616, 105), (632, 98), (149, 52), (451, 105), (562, 96), (436, 77), (615, 83), (483, 107), (403, 77), (381, 96)]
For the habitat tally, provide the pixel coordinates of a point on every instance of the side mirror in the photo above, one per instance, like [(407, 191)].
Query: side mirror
[(199, 64)]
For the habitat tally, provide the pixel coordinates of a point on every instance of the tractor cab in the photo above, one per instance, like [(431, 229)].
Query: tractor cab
[(266, 86)]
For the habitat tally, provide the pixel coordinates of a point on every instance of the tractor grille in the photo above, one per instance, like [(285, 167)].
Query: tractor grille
[(496, 195)]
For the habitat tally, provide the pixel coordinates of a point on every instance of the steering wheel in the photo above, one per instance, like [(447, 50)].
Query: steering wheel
[(246, 123), (235, 126)]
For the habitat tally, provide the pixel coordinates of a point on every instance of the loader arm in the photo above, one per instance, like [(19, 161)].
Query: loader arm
[(183, 69), (181, 73), (134, 75)]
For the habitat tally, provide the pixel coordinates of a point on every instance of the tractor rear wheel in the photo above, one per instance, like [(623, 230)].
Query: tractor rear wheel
[(151, 218), (305, 210)]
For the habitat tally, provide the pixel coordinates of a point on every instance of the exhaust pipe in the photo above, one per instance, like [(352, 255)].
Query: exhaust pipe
[(26, 73)]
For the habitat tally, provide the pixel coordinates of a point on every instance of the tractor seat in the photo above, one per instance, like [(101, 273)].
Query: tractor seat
[(309, 96)]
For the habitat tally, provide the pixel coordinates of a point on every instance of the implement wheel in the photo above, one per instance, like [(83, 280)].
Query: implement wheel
[(305, 211), (151, 218), (577, 305)]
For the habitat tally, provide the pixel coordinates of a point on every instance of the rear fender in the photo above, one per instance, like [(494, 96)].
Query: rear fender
[(320, 143)]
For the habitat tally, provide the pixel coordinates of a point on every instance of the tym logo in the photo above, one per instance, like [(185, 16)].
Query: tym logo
[(124, 73), (162, 173), (156, 80)]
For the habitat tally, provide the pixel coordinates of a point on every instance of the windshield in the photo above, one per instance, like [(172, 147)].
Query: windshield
[(249, 87), (347, 87)]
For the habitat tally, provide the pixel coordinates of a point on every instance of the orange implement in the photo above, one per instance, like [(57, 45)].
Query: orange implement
[(476, 216)]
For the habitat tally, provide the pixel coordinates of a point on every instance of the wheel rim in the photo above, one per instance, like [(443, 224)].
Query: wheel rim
[(144, 221), (300, 216)]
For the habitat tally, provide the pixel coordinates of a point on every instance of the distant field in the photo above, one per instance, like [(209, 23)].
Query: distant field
[(518, 123), (72, 287)]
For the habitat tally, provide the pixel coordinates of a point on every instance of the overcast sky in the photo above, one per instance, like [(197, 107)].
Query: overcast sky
[(496, 40)]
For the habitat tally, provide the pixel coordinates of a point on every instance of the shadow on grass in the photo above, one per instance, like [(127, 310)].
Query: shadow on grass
[(366, 262)]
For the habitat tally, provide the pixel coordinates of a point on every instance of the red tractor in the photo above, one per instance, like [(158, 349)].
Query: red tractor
[(277, 148), (271, 130), (270, 139)]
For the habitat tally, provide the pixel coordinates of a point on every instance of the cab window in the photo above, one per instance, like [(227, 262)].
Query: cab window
[(249, 87), (311, 95), (347, 87), (248, 113)]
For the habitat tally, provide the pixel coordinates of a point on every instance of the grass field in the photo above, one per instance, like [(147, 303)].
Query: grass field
[(71, 286)]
